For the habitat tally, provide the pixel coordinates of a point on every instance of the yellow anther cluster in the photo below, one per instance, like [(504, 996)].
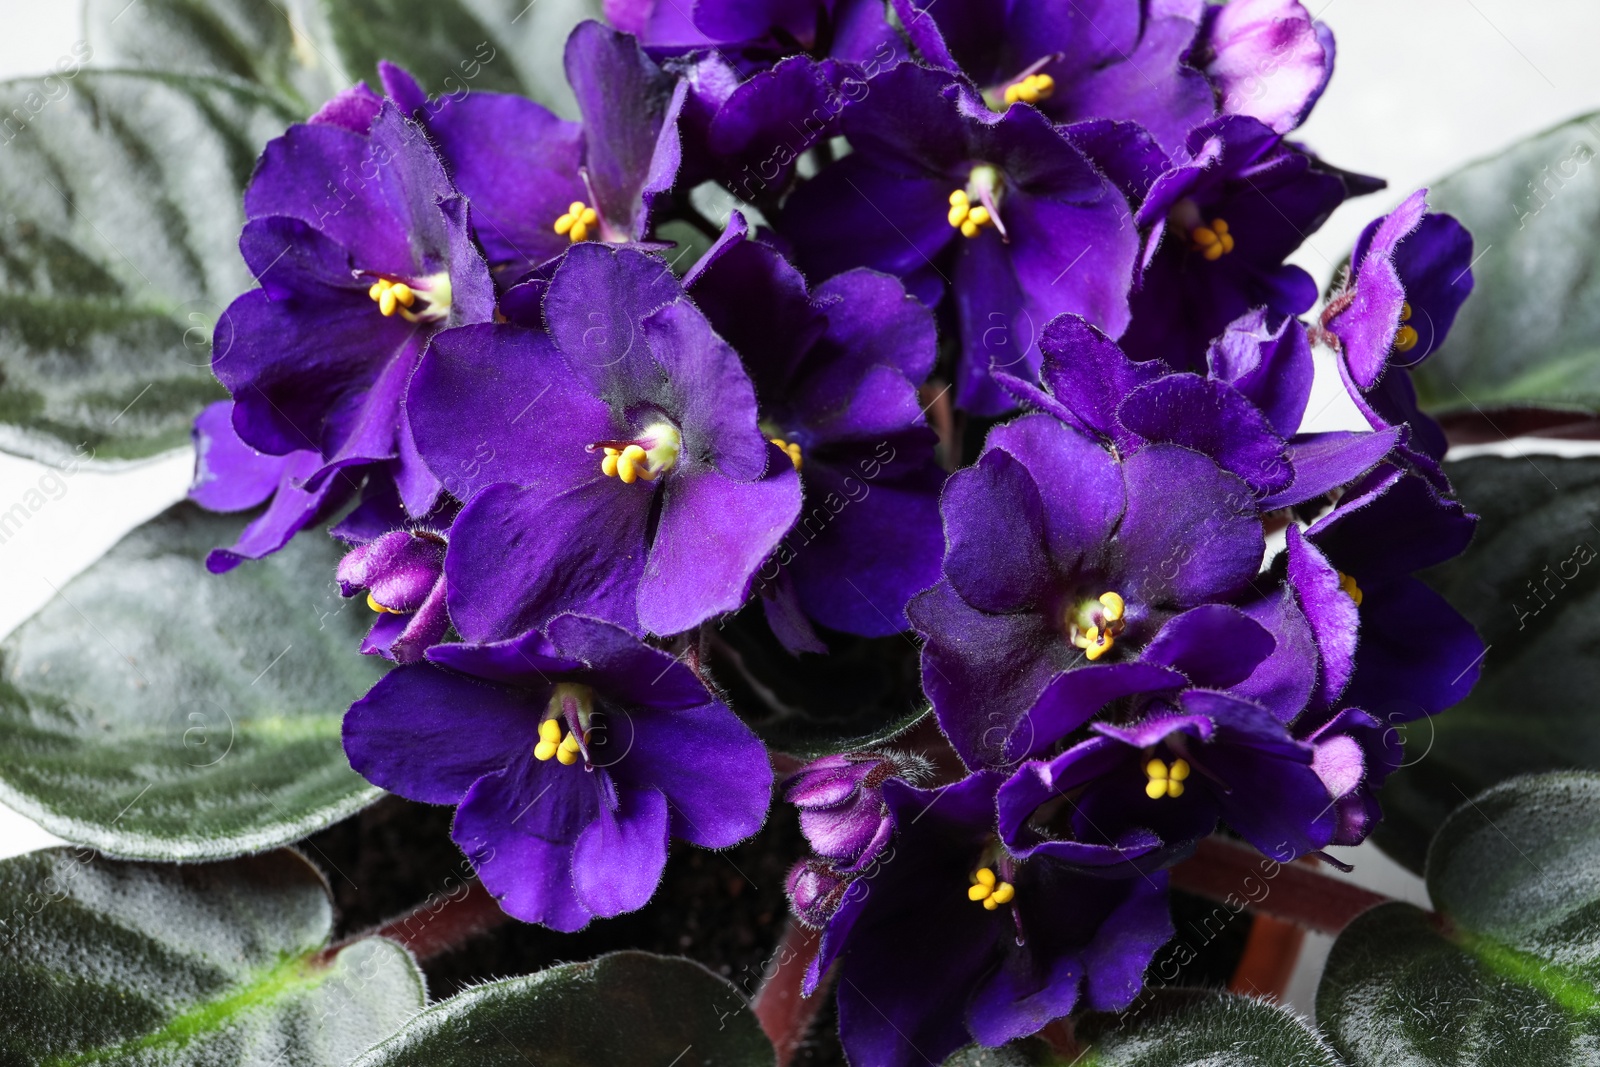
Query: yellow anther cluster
[(1165, 780), (551, 743), (576, 222), (1031, 90), (1405, 339), (629, 463), (1212, 241), (790, 449), (966, 216), (1351, 589), (1098, 638), (989, 889), (391, 296), (379, 608)]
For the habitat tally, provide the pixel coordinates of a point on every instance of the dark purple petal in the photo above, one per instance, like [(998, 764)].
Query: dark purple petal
[(1273, 367), (1326, 461), (707, 392), (619, 857), (880, 540), (973, 660), (1079, 484), (630, 109), (714, 533), (525, 419), (1089, 375), (428, 733), (292, 509), (1331, 611), (1215, 646), (995, 568), (1190, 532), (229, 475), (1076, 696), (1417, 654), (509, 571), (518, 827), (1214, 419), (712, 769)]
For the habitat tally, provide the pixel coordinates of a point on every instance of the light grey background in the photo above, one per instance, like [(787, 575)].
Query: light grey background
[(1421, 87)]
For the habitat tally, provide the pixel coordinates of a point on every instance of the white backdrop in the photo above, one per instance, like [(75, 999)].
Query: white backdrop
[(1421, 87)]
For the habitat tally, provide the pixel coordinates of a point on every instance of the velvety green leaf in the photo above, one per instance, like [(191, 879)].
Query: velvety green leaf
[(119, 227), (1195, 1028), (1530, 583), (265, 43), (458, 47), (624, 1008), (306, 50), (106, 961), (1508, 972), (158, 711), (1530, 334), (1029, 1052)]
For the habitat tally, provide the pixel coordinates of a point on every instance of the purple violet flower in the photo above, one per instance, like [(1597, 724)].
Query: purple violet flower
[(1220, 223), (1388, 643), (1243, 411), (229, 475), (1001, 207), (1412, 272), (571, 756), (815, 891), (1098, 553), (842, 812), (398, 562), (955, 941), (836, 374), (612, 464), (1143, 792), (1103, 59), (1267, 59), (363, 252), (1354, 755)]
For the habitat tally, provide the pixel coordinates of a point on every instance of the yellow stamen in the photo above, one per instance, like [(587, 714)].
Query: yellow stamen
[(1031, 90), (379, 608), (1114, 606), (632, 462), (1351, 589), (989, 890), (966, 216), (399, 298), (1212, 240), (577, 221), (1163, 780), (790, 449)]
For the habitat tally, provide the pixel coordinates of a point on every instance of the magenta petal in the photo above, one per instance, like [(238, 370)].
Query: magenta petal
[(619, 857)]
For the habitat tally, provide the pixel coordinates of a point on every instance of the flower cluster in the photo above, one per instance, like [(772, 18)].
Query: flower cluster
[(1150, 602)]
